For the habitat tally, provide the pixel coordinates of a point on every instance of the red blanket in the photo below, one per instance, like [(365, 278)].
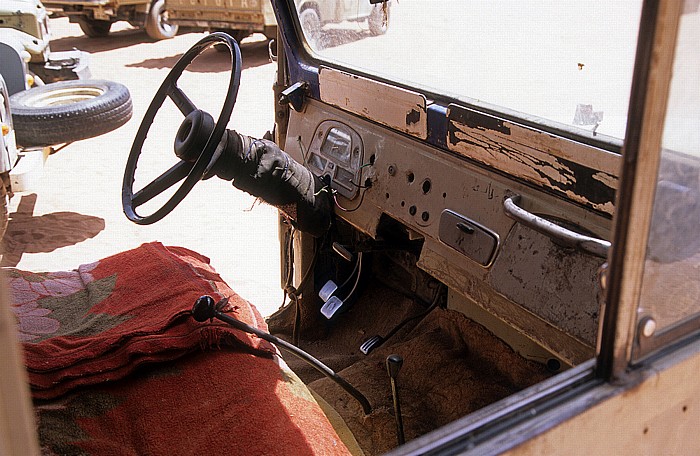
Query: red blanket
[(108, 327), (100, 322), (214, 403)]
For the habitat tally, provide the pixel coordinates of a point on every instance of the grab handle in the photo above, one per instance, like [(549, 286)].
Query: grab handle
[(594, 246)]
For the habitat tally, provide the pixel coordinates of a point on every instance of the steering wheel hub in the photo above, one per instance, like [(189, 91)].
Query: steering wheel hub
[(193, 134)]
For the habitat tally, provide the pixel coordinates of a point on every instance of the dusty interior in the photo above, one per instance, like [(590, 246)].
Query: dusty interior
[(452, 366)]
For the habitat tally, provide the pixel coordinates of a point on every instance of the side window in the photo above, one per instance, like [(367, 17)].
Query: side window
[(563, 63), (670, 301)]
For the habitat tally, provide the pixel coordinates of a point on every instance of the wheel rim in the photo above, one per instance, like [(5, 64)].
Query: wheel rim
[(311, 25), (163, 23), (64, 96)]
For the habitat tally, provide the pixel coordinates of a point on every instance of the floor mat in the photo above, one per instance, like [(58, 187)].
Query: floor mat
[(452, 367)]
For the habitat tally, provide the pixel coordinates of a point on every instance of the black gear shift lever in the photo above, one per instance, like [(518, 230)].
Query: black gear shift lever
[(206, 309), (393, 366)]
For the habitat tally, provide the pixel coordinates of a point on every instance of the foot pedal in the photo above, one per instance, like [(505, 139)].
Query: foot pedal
[(370, 344), (343, 252), (331, 307), (327, 291)]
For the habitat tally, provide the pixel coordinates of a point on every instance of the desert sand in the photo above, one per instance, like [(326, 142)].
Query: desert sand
[(72, 213)]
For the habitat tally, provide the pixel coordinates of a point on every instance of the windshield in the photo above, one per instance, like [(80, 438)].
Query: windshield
[(566, 62)]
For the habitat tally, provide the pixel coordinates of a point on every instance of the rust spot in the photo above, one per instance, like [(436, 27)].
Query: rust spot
[(413, 117)]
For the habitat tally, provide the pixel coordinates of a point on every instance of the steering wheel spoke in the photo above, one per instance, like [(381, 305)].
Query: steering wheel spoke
[(162, 183), (195, 142), (181, 100)]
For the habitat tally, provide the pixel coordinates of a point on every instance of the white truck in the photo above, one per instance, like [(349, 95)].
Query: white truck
[(240, 18)]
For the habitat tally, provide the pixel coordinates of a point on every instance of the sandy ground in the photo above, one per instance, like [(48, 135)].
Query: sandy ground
[(72, 214)]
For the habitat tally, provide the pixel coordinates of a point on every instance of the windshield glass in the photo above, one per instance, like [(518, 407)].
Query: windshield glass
[(671, 284), (567, 62)]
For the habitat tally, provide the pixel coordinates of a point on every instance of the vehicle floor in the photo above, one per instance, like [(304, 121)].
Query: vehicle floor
[(452, 367)]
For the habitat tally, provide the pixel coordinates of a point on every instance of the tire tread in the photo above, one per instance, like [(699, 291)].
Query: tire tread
[(46, 126)]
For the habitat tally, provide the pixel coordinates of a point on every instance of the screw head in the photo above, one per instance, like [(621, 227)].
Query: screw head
[(647, 327)]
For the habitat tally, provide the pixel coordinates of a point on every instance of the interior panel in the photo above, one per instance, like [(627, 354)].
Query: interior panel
[(554, 298)]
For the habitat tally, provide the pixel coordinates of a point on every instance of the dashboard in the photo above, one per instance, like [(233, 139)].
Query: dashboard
[(456, 208)]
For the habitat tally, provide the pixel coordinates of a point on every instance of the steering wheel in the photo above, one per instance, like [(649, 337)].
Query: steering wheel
[(196, 140)]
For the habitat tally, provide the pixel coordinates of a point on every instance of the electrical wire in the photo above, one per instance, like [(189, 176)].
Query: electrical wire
[(354, 269), (360, 186), (357, 280), (429, 309), (362, 198), (303, 152)]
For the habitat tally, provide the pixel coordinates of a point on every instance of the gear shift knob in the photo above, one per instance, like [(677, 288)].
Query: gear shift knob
[(393, 365), (203, 308)]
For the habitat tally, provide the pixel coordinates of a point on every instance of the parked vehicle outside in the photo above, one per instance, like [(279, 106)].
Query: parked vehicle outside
[(238, 18), (8, 155), (46, 98), (53, 100), (314, 15), (96, 17), (24, 30)]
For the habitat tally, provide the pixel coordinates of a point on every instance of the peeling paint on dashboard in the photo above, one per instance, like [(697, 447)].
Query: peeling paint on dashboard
[(412, 117), (582, 173), (397, 108)]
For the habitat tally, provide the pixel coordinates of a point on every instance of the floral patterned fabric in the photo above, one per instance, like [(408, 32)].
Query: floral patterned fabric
[(101, 321)]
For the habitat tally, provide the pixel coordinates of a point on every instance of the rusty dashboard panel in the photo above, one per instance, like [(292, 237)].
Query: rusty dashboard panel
[(397, 108), (582, 173), (414, 182), (457, 210)]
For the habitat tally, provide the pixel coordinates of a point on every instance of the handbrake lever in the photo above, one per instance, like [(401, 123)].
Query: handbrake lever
[(206, 309)]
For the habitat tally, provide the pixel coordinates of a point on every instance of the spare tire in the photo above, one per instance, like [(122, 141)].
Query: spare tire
[(68, 111)]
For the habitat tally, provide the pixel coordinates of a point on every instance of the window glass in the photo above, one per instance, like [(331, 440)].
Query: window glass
[(671, 283), (568, 62)]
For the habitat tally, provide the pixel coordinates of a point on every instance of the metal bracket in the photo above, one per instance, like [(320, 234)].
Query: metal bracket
[(294, 95)]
